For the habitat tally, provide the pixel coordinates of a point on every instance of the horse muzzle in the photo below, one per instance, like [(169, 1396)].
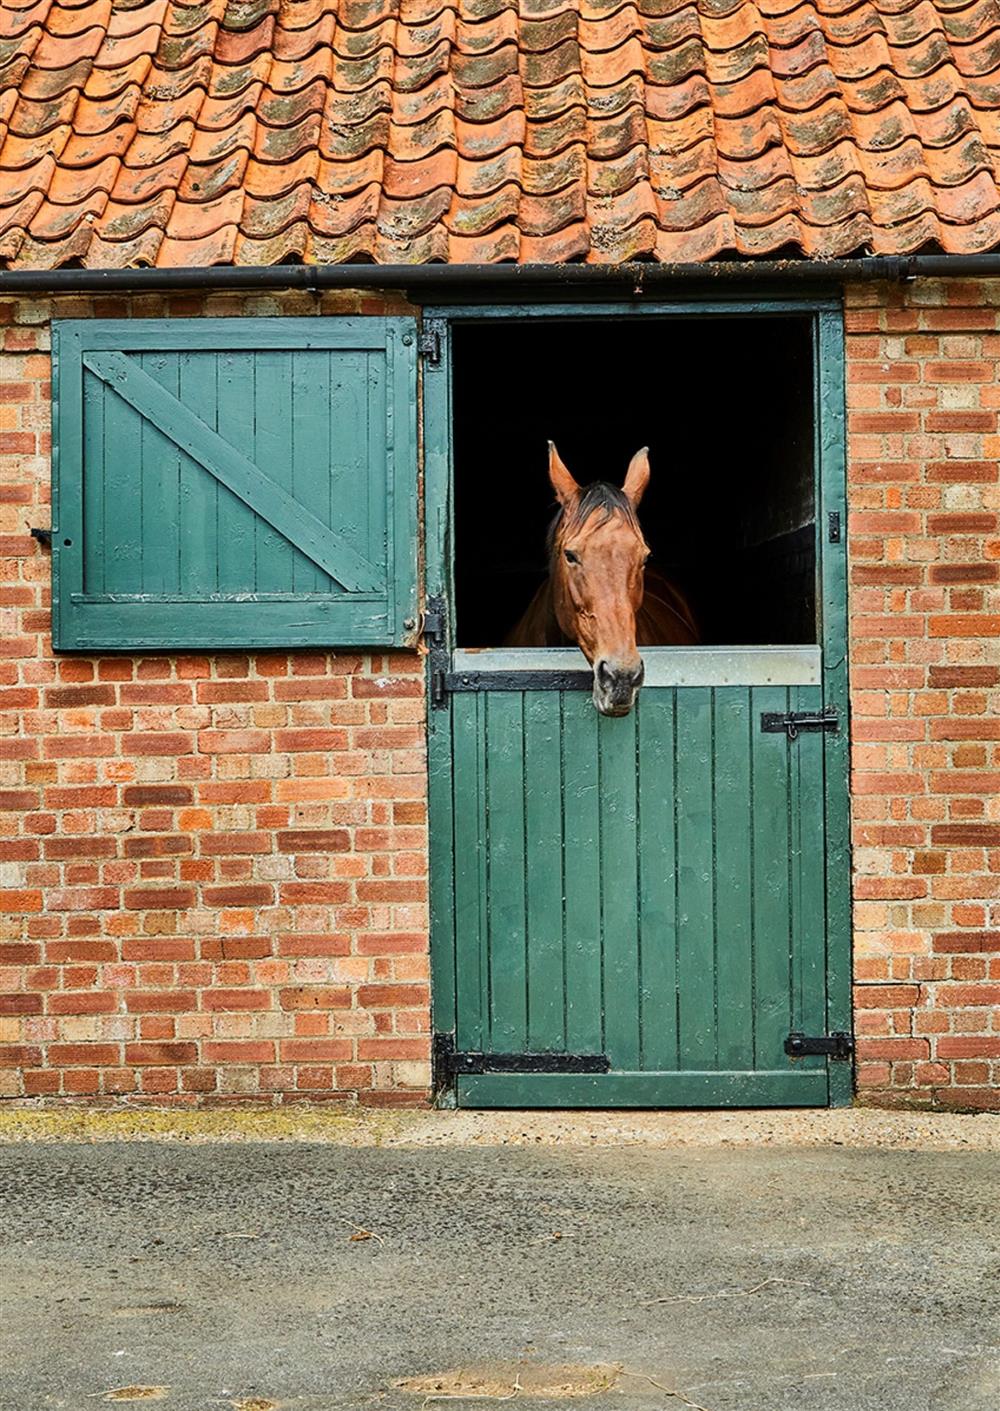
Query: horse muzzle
[(616, 686)]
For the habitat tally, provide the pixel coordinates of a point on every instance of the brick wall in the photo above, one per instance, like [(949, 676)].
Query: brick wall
[(923, 398), (217, 864)]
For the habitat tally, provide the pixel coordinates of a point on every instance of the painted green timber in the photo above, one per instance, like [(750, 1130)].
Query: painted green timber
[(831, 462), (805, 1088), (699, 956), (258, 491), (235, 483), (671, 889)]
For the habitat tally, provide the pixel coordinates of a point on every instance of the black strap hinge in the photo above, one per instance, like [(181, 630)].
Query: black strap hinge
[(838, 1045), (451, 1062)]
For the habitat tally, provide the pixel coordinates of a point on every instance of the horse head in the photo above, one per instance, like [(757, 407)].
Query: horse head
[(597, 560)]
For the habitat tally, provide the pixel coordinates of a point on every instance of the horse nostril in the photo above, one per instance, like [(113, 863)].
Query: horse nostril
[(605, 675)]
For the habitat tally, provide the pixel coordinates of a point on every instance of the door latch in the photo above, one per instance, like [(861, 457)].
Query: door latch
[(793, 722)]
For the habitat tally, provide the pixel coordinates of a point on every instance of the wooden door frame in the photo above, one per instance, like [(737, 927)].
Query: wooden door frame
[(830, 459)]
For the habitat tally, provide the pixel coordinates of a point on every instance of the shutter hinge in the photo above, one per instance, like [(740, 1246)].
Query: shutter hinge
[(44, 537), (838, 1045), (429, 341)]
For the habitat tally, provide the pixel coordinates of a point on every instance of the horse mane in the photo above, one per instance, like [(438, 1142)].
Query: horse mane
[(600, 496)]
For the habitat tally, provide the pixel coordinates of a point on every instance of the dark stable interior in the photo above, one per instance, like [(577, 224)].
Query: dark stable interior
[(725, 406)]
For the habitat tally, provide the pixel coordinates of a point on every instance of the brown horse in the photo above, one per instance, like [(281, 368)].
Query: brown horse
[(599, 593)]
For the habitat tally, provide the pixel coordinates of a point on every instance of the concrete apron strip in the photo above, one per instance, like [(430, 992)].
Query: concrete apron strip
[(859, 1128)]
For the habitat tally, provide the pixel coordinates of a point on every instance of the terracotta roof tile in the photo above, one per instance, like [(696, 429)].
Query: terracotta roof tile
[(169, 132)]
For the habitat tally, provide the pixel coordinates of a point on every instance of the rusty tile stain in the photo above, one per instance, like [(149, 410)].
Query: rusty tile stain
[(248, 131)]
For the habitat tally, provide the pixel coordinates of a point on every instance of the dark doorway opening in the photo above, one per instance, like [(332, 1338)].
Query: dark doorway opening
[(726, 407)]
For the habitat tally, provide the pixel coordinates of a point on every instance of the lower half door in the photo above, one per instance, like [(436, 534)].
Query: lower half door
[(643, 895)]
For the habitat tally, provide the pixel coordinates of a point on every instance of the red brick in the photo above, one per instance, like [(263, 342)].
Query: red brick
[(315, 1050), (20, 1004), (61, 696), (886, 996), (320, 997), (160, 898), (966, 942), (237, 1051), (241, 895), (315, 840), (971, 835), (972, 1046), (161, 1053), (141, 795), (233, 1000), (12, 900), (73, 1055)]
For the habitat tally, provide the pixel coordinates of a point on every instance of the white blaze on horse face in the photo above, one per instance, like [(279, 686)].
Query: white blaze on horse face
[(597, 579), (602, 574)]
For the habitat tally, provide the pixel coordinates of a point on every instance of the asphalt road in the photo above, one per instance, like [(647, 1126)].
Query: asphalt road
[(747, 1280)]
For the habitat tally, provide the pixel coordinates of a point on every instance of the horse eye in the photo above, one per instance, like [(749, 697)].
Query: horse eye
[(570, 556)]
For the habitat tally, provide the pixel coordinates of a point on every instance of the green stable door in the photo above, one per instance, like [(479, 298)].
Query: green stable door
[(647, 911)]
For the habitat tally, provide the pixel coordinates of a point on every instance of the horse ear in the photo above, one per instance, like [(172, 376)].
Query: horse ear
[(562, 482), (637, 477)]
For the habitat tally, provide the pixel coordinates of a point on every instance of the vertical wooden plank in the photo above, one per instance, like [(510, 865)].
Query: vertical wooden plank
[(544, 856), (384, 415), (68, 472), (582, 842), (159, 470), (733, 882), (657, 869), (831, 454), (695, 878), (470, 870), (508, 865), (350, 391), (92, 475), (443, 843), (620, 890), (122, 531), (199, 491), (313, 422), (275, 430), (392, 521), (808, 874), (771, 900), (236, 546)]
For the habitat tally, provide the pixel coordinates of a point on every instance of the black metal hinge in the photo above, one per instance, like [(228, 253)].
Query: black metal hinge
[(450, 1062), (438, 655), (44, 537), (838, 1045), (429, 341), (793, 722)]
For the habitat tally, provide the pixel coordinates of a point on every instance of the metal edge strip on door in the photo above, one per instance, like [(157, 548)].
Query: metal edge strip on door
[(566, 668)]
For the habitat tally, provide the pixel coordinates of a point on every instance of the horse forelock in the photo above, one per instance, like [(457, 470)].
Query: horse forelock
[(610, 500)]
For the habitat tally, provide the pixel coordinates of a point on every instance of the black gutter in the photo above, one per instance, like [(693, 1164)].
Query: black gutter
[(440, 279)]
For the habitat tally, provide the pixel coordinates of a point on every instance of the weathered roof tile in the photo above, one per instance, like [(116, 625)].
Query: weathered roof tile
[(216, 131)]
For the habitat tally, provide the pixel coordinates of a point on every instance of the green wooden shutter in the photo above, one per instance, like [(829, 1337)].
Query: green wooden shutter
[(236, 482)]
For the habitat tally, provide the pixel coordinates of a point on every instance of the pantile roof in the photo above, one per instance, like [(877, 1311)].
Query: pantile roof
[(159, 132)]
